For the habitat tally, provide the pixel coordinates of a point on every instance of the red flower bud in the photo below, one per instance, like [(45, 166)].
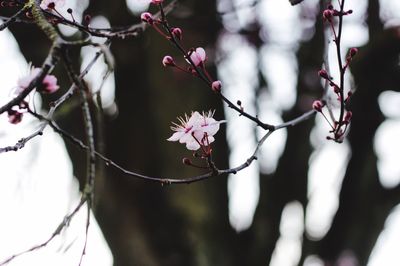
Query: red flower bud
[(353, 51), (147, 18), (347, 117), (323, 74), (14, 117), (317, 105), (336, 89), (327, 14)]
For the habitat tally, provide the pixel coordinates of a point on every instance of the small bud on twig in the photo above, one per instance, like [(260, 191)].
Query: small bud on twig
[(323, 74), (186, 161), (317, 105), (168, 61), (147, 18), (216, 86), (347, 117), (327, 15), (177, 32)]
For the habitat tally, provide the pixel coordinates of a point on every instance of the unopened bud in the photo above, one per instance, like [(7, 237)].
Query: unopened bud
[(216, 86), (323, 74), (347, 117), (87, 20), (317, 105), (186, 161), (336, 89), (147, 18), (168, 61), (14, 117), (177, 32), (327, 14)]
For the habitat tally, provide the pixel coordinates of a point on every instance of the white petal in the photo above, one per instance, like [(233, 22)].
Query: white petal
[(211, 139), (186, 137), (176, 136), (192, 145), (198, 134)]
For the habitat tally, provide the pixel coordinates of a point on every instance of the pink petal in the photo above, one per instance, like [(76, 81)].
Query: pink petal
[(195, 59), (201, 53)]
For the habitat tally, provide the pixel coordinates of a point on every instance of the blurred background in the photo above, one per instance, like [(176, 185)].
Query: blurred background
[(305, 201)]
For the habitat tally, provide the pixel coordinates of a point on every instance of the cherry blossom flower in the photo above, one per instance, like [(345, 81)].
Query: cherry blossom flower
[(198, 56), (51, 4), (49, 83), (195, 131)]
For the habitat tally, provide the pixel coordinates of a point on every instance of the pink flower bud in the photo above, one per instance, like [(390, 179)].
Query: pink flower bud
[(327, 14), (156, 2), (168, 61), (147, 18), (323, 74), (198, 56), (347, 117), (14, 117), (317, 105), (177, 32), (216, 86), (49, 84)]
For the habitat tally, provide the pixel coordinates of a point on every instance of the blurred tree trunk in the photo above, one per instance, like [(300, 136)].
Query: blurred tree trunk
[(147, 224)]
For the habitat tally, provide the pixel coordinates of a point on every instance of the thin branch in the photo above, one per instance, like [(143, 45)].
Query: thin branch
[(21, 143), (12, 19), (65, 222), (166, 180), (48, 64), (86, 233), (340, 62), (203, 77)]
